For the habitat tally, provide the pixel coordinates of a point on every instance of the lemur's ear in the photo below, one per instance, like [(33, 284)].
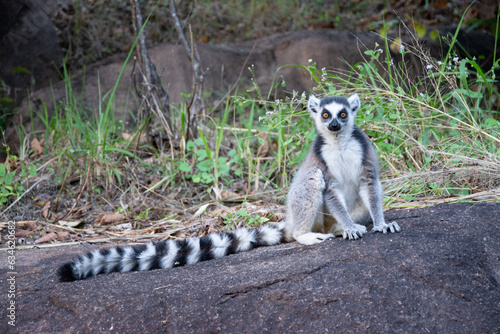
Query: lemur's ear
[(313, 104), (354, 102)]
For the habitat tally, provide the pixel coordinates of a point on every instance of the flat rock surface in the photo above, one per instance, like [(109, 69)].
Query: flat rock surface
[(441, 274)]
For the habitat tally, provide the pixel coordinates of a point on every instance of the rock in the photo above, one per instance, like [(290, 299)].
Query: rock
[(29, 49), (441, 274)]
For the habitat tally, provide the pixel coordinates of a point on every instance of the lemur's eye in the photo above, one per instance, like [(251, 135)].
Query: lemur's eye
[(343, 115), (325, 115)]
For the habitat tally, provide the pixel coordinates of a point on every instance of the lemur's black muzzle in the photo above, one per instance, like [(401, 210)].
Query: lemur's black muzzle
[(334, 125)]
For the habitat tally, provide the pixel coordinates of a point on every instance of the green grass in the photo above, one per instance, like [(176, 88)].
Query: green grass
[(437, 135)]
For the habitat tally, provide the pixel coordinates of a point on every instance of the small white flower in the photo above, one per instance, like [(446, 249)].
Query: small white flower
[(260, 118), (310, 61), (429, 67), (456, 59), (401, 48), (269, 113), (380, 50), (422, 94)]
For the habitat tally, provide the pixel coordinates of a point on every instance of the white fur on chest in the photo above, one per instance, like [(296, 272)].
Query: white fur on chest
[(343, 158)]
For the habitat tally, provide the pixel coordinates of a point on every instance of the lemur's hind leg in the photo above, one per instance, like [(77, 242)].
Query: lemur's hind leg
[(305, 218)]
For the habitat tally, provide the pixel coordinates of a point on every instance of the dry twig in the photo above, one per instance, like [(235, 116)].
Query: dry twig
[(154, 97), (194, 107)]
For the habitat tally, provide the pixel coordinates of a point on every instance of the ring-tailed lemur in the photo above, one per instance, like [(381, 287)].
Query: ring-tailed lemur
[(336, 192)]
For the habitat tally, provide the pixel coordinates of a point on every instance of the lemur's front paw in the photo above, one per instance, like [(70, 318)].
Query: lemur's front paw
[(355, 232), (385, 228)]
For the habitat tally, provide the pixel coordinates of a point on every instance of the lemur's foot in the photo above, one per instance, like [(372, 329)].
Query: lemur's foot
[(354, 232), (312, 238), (385, 228)]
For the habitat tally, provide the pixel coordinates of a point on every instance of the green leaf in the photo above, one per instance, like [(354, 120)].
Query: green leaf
[(32, 170), (207, 148), (198, 141), (204, 166), (468, 93), (118, 175), (409, 198), (184, 167), (434, 34), (421, 31), (223, 168), (201, 155), (207, 178), (190, 145), (20, 69), (242, 213), (10, 178), (491, 122), (113, 149)]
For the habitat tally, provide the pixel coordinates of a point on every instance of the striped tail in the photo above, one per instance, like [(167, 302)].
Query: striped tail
[(168, 254)]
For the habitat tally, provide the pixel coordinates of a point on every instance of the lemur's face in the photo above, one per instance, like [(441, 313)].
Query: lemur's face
[(333, 114)]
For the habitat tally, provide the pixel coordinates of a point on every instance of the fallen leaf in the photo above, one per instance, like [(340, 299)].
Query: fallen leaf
[(441, 4), (70, 224), (264, 148), (106, 218), (13, 164), (125, 135), (37, 147), (62, 235), (226, 194), (22, 233), (48, 237), (420, 30), (204, 39), (395, 46), (83, 208), (200, 211), (45, 209), (31, 225)]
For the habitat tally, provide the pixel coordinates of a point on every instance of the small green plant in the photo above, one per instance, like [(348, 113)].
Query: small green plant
[(251, 221), (232, 220), (143, 215), (7, 187), (10, 180)]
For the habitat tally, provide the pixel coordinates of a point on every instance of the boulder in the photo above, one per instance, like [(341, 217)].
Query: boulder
[(30, 55), (441, 274)]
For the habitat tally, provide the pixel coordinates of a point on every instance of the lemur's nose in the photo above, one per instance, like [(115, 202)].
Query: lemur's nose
[(334, 125)]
